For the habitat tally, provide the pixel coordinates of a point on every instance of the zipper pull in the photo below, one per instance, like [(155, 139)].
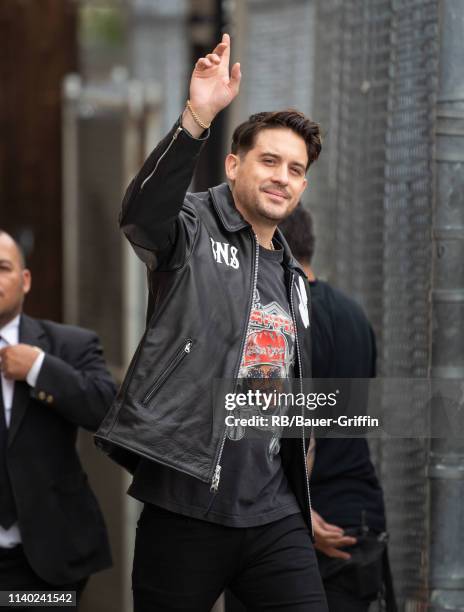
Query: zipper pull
[(216, 478), (188, 346)]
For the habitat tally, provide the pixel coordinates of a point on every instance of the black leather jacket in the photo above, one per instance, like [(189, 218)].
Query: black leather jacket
[(199, 307)]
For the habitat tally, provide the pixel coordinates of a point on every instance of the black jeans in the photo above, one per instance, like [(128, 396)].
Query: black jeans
[(17, 575), (182, 563)]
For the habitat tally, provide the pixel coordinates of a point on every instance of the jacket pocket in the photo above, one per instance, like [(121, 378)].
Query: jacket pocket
[(179, 355)]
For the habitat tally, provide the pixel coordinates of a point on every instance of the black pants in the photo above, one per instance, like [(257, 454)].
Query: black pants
[(351, 586), (337, 600), (17, 575), (182, 563), (342, 601)]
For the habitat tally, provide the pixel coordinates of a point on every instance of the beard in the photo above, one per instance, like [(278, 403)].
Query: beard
[(258, 205), (271, 213), (274, 212)]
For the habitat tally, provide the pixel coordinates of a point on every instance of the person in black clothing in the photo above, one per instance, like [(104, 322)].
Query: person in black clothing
[(348, 507), (228, 301), (53, 380)]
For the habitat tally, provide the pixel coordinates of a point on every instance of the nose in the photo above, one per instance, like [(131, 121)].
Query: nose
[(280, 174)]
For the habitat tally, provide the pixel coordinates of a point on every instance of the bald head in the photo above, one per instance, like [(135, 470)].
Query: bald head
[(19, 253), (15, 278)]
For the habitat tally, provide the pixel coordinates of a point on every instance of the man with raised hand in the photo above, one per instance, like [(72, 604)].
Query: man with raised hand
[(227, 301)]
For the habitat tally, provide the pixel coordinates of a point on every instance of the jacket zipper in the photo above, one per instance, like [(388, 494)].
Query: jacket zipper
[(300, 373), (182, 352), (174, 136), (217, 469)]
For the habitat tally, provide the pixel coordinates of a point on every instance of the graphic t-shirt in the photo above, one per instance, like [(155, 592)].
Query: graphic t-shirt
[(253, 489)]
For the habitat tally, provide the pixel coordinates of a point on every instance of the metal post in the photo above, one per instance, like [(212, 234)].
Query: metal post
[(446, 459)]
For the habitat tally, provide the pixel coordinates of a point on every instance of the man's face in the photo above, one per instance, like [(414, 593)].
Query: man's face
[(15, 281), (267, 182)]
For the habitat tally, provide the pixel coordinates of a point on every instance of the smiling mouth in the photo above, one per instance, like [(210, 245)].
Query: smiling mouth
[(276, 194)]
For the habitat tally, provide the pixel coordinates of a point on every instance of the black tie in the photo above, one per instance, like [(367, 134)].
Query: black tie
[(7, 503)]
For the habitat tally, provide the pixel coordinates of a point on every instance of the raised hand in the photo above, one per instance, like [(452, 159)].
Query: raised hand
[(212, 88)]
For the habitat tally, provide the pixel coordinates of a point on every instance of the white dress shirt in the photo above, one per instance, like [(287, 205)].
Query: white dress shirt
[(9, 335)]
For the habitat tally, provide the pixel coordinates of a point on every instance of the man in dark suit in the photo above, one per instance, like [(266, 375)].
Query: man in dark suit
[(53, 380)]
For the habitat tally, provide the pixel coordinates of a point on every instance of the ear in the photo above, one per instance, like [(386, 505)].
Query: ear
[(303, 185), (232, 163), (27, 280)]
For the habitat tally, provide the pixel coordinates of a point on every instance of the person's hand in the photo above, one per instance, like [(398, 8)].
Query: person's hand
[(212, 88), (329, 538), (17, 360)]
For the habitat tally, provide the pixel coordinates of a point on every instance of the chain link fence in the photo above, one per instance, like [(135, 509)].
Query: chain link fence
[(366, 70), (374, 196)]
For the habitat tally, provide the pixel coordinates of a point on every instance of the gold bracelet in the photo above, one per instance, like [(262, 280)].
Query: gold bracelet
[(196, 118)]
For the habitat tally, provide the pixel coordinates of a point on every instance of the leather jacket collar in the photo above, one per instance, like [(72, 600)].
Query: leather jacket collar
[(233, 221)]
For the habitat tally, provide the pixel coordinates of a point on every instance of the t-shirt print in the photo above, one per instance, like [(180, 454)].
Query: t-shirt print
[(268, 355), (270, 341)]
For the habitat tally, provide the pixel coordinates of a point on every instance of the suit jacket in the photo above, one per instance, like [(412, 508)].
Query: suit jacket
[(62, 528)]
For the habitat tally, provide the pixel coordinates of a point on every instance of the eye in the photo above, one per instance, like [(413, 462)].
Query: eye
[(268, 160), (296, 171)]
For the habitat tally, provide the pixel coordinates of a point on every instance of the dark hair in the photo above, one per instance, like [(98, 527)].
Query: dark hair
[(299, 233), (243, 138)]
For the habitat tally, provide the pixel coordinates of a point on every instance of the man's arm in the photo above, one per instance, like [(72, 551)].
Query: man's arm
[(155, 197), (328, 538), (76, 384)]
